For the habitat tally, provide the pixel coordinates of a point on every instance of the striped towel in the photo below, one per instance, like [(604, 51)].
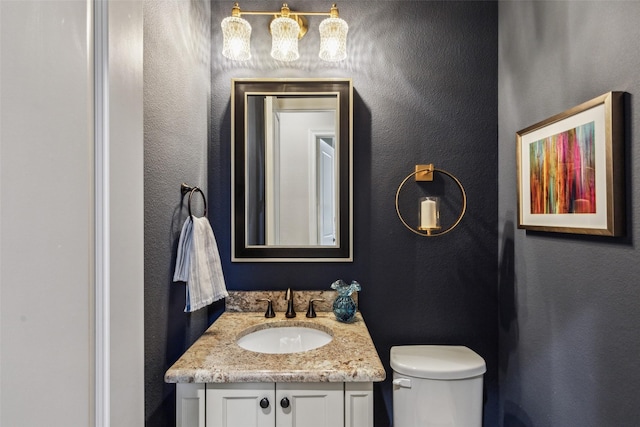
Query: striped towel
[(198, 264)]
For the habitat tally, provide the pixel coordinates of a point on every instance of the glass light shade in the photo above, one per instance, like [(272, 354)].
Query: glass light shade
[(237, 36), (284, 39), (429, 213), (333, 39)]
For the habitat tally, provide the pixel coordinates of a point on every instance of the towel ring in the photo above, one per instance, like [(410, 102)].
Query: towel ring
[(184, 189)]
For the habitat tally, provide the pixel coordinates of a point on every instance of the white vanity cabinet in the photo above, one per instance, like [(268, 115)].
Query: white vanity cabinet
[(275, 405)]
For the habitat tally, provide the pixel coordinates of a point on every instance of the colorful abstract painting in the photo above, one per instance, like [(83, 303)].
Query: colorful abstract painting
[(570, 170), (562, 172)]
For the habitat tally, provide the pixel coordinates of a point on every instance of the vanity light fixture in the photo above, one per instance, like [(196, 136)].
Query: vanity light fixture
[(429, 207), (286, 29)]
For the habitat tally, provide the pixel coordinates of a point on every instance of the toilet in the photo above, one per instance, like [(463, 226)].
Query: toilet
[(437, 386)]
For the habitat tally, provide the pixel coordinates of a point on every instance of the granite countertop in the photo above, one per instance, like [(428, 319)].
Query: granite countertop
[(216, 358)]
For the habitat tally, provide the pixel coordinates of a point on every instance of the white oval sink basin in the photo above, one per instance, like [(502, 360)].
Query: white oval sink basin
[(284, 339)]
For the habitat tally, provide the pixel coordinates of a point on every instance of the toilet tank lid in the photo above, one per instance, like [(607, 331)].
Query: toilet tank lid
[(437, 362)]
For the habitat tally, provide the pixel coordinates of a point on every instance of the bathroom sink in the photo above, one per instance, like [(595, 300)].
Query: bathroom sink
[(284, 339)]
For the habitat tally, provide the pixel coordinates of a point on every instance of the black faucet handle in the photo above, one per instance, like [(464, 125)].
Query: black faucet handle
[(269, 312), (291, 312), (311, 312)]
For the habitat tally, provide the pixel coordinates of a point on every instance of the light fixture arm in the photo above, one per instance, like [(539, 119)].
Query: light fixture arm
[(284, 12)]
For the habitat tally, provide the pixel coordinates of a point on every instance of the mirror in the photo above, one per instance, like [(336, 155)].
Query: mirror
[(291, 170)]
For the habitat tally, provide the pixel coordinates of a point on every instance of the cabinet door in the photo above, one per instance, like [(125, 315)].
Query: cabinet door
[(358, 404), (190, 405), (310, 405), (241, 405)]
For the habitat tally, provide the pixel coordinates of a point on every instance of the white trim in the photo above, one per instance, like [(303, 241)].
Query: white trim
[(312, 186), (271, 179), (102, 259)]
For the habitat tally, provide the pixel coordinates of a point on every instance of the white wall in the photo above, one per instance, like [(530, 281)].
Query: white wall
[(294, 170), (126, 211), (46, 178), (47, 214)]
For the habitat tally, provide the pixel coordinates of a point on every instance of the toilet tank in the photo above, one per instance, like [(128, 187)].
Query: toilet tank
[(437, 386)]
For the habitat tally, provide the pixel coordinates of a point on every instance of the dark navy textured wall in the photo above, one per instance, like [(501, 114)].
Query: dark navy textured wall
[(425, 80), (569, 320), (177, 82)]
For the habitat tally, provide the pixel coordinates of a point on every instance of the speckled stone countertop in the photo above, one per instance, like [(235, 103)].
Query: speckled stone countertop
[(216, 358)]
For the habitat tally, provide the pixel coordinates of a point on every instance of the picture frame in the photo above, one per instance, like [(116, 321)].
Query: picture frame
[(570, 170)]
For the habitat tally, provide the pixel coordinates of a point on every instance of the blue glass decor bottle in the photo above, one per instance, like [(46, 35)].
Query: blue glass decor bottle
[(344, 307)]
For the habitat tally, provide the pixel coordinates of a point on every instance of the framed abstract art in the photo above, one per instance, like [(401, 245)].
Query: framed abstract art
[(570, 170)]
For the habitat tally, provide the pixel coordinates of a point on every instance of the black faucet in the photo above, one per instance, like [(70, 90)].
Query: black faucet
[(290, 310)]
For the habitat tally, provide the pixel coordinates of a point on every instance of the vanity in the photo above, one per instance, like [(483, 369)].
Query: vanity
[(292, 201), (221, 384)]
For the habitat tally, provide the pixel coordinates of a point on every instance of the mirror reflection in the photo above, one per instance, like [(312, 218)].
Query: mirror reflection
[(292, 170)]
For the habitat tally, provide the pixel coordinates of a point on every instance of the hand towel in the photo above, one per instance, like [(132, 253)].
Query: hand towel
[(183, 257), (198, 263)]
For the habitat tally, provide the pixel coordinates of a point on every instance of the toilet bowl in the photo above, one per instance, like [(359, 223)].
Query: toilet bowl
[(437, 386)]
